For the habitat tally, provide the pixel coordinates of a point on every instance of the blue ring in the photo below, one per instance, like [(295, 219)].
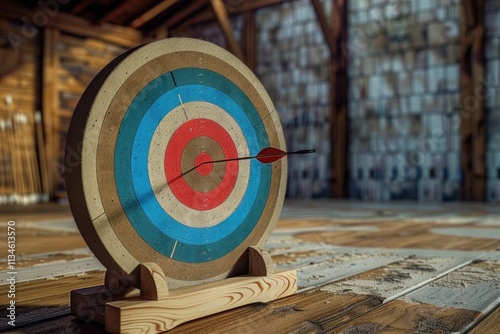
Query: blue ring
[(149, 202), (146, 215)]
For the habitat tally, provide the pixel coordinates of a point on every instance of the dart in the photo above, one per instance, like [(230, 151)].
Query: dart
[(266, 156)]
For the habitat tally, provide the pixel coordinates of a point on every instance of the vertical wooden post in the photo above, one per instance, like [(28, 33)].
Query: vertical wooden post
[(335, 38), (50, 104), (338, 93), (339, 99), (472, 96), (250, 40)]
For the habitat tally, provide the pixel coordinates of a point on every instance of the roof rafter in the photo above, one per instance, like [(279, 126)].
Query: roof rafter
[(81, 6), (112, 14), (323, 23), (242, 8), (152, 13), (222, 17), (181, 15)]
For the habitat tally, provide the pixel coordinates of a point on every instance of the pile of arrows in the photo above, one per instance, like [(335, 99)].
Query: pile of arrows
[(21, 151)]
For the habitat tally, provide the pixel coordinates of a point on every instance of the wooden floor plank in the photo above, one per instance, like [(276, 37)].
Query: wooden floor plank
[(294, 314), (474, 287), (404, 234), (54, 269), (28, 261), (396, 279), (318, 274), (450, 304), (45, 299), (489, 325), (406, 266), (307, 311), (398, 316), (30, 241), (35, 212), (64, 325)]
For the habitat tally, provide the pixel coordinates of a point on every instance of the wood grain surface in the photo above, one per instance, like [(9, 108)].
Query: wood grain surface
[(488, 325), (347, 284)]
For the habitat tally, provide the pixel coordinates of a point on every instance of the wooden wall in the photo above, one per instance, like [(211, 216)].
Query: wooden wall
[(20, 179), (18, 68), (491, 97), (46, 65), (77, 60)]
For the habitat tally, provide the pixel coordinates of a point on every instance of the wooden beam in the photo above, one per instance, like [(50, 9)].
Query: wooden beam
[(249, 36), (472, 90), (244, 7), (115, 12), (323, 23), (180, 16), (338, 95), (81, 6), (49, 105), (222, 16), (122, 36), (338, 90), (249, 5), (152, 13), (204, 17)]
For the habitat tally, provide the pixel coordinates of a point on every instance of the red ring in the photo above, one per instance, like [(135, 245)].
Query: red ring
[(172, 163)]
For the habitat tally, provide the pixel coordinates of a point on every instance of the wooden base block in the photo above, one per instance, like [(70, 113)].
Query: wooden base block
[(137, 314), (147, 316), (154, 308)]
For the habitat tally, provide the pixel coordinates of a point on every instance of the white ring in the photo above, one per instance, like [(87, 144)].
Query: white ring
[(163, 133)]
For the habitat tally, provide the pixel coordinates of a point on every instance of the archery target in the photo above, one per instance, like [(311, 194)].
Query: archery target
[(148, 117)]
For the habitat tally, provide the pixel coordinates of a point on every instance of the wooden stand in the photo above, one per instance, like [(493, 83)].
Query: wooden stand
[(154, 309)]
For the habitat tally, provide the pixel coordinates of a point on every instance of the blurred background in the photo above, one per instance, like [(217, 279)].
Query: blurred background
[(400, 98)]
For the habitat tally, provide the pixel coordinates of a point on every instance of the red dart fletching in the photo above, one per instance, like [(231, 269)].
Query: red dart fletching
[(270, 154)]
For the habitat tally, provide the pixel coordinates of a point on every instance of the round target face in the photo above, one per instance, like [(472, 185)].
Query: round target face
[(151, 115)]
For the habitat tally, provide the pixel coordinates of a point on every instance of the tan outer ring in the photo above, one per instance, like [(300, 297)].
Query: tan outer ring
[(88, 128)]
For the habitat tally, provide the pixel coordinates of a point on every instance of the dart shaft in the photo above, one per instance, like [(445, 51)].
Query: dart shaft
[(217, 161), (269, 155)]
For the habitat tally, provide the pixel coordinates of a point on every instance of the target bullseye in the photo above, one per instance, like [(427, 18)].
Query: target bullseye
[(150, 115), (195, 192), (194, 148), (205, 160)]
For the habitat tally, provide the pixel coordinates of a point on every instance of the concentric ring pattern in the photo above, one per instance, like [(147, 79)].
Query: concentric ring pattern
[(148, 117)]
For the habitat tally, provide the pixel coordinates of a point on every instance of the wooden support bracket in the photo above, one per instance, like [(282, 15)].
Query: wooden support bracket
[(153, 282), (260, 262), (154, 309)]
